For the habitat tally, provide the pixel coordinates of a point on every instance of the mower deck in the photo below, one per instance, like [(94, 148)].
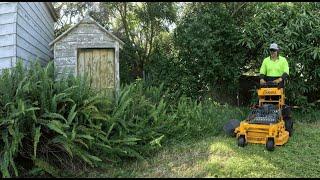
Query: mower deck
[(260, 133), (268, 123)]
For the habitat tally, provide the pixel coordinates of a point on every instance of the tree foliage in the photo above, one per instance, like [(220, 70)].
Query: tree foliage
[(138, 25), (213, 44), (206, 40), (68, 11), (295, 27)]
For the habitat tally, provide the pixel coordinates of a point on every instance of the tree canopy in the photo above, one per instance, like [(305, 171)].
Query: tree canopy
[(212, 44)]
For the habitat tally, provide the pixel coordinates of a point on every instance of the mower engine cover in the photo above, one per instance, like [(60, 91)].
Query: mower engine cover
[(265, 114)]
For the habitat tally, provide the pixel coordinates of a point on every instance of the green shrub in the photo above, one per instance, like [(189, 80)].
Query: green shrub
[(152, 112), (295, 30), (48, 122), (54, 123), (59, 126)]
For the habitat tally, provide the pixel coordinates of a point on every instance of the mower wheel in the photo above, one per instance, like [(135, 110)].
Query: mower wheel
[(241, 141), (230, 126), (270, 144), (286, 111), (289, 125)]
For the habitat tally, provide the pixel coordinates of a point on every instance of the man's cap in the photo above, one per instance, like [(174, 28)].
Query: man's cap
[(274, 46)]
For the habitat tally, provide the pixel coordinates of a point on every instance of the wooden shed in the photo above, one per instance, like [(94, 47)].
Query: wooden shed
[(26, 29), (88, 48)]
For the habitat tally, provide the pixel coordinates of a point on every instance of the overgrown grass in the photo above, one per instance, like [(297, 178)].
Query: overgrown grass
[(48, 124), (219, 156), (51, 126), (63, 127)]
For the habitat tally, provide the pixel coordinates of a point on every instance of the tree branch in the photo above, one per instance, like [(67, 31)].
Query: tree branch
[(239, 7)]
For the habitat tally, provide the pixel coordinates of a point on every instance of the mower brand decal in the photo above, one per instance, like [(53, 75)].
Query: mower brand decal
[(269, 92)]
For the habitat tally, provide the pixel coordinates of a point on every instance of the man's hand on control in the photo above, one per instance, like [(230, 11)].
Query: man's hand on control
[(277, 80), (262, 81)]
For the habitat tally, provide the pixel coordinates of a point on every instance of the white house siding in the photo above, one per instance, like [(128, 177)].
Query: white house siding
[(26, 29), (35, 30), (8, 16)]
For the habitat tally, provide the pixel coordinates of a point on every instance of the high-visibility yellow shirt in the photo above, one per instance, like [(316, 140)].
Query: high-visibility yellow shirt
[(274, 68)]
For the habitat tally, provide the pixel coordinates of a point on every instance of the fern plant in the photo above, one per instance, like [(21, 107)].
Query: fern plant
[(51, 125)]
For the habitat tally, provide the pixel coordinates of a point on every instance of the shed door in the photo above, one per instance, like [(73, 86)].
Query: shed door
[(98, 64)]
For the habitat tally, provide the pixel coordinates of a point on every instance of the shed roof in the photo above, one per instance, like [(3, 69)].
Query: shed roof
[(52, 11), (88, 19)]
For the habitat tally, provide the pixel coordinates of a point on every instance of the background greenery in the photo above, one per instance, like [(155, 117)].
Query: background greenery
[(180, 70), (201, 49), (55, 127)]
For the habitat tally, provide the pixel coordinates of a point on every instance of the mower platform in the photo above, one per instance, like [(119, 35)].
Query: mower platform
[(262, 133), (265, 124)]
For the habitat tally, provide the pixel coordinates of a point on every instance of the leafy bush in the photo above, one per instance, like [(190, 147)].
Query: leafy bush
[(214, 43), (296, 30), (206, 40), (183, 119), (56, 126), (48, 122), (164, 68), (194, 120), (54, 123)]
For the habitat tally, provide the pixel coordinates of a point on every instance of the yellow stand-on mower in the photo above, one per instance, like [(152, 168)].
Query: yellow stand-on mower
[(269, 123)]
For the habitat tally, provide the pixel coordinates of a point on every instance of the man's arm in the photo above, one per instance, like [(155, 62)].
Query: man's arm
[(284, 76), (263, 72), (285, 70)]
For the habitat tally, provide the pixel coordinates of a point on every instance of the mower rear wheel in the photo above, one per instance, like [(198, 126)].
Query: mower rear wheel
[(241, 141), (289, 125), (230, 126), (270, 144)]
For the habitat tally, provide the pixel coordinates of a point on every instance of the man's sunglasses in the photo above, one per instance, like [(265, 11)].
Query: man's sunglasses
[(273, 50)]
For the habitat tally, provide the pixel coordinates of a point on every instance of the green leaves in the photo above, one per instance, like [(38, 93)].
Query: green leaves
[(157, 141), (56, 123), (72, 114), (44, 165), (36, 139), (59, 122), (303, 51), (207, 40), (90, 159), (54, 116), (58, 127)]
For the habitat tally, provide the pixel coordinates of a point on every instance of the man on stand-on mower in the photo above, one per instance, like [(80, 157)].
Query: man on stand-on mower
[(270, 122), (274, 68)]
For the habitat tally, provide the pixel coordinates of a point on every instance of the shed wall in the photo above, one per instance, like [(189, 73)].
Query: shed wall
[(85, 35)]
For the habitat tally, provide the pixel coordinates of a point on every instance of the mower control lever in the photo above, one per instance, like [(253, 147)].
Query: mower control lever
[(270, 84)]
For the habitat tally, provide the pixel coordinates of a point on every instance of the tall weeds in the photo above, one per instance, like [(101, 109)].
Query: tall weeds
[(54, 126)]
